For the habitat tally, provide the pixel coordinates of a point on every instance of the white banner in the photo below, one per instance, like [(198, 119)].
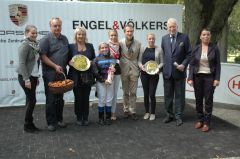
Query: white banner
[(229, 89), (97, 18)]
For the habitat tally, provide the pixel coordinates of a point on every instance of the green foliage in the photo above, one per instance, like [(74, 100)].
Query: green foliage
[(234, 28), (142, 1), (237, 59)]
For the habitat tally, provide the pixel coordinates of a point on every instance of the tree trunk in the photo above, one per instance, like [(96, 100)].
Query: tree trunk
[(223, 43), (211, 14)]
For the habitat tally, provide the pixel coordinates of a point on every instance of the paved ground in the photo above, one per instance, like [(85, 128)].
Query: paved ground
[(124, 139)]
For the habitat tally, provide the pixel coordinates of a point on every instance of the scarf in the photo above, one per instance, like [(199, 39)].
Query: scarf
[(34, 45), (114, 50), (129, 44)]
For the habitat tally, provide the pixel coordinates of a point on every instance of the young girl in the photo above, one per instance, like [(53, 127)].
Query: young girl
[(115, 53), (104, 63)]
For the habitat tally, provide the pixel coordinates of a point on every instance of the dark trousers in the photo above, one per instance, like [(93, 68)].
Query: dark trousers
[(30, 98), (204, 89), (81, 102), (149, 83), (54, 105), (174, 88)]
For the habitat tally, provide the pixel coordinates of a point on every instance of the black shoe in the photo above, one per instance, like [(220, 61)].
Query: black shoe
[(108, 122), (34, 127), (51, 128), (85, 123), (134, 116), (101, 122), (167, 120), (179, 122), (28, 129)]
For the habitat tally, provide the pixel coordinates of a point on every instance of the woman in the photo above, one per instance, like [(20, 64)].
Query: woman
[(149, 82), (28, 73), (83, 80), (104, 63), (204, 76), (114, 47)]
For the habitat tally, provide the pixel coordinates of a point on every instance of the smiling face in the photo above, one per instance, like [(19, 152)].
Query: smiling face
[(32, 34), (81, 37), (151, 40), (205, 36), (104, 48), (56, 26), (128, 31), (113, 36), (172, 26)]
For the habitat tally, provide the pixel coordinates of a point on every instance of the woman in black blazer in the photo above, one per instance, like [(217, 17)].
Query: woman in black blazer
[(204, 76), (83, 80)]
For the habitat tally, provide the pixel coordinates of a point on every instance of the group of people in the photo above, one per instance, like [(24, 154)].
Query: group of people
[(125, 60)]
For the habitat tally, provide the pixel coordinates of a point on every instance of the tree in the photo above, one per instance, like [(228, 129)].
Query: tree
[(212, 14)]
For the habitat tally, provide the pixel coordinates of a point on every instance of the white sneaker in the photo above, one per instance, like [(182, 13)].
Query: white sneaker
[(152, 117), (146, 116)]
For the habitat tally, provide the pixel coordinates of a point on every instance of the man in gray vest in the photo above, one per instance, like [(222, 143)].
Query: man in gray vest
[(54, 56), (130, 71)]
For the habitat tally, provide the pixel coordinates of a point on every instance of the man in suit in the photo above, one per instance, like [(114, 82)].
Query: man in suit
[(177, 53), (130, 49)]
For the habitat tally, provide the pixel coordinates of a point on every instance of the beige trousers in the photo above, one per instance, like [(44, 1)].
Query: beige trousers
[(129, 86)]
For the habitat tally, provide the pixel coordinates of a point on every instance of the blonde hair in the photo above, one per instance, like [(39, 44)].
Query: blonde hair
[(114, 31), (152, 34), (80, 29)]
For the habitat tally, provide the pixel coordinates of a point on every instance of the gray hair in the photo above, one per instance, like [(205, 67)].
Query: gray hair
[(172, 20), (55, 18)]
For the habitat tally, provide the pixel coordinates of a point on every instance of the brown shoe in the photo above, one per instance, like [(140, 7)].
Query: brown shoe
[(126, 114), (198, 125), (134, 116), (205, 128)]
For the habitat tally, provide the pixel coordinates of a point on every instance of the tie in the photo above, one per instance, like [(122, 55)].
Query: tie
[(172, 42)]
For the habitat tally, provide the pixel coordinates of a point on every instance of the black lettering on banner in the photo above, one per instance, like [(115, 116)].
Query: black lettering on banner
[(151, 25), (75, 24), (144, 25), (101, 25), (93, 25), (9, 32)]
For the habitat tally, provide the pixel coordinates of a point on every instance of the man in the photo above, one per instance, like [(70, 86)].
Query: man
[(54, 56), (177, 53), (130, 71)]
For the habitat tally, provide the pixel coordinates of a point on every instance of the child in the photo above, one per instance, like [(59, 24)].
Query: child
[(104, 63), (114, 47)]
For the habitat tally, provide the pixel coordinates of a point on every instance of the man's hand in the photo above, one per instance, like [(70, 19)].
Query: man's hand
[(181, 67), (58, 69)]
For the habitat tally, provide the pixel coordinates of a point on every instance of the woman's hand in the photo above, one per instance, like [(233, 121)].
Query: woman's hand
[(216, 83), (70, 63), (28, 84), (190, 82), (142, 68)]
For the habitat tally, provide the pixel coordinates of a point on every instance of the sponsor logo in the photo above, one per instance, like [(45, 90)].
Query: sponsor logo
[(18, 14), (234, 85)]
